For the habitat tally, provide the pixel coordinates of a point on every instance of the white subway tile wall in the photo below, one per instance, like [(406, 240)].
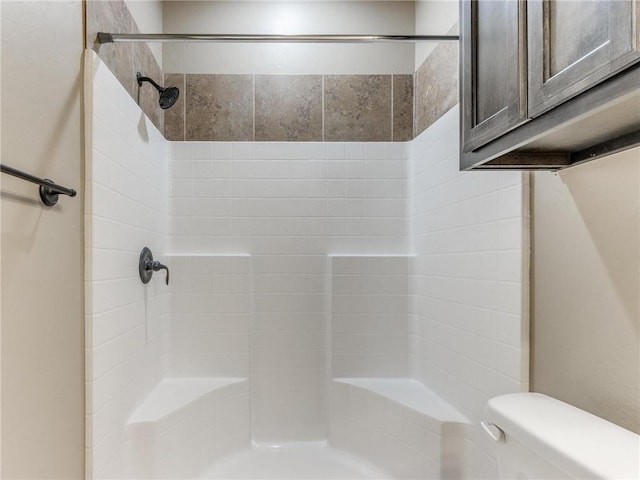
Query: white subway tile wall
[(289, 198), (289, 205), (288, 349), (171, 439), (406, 441), (127, 208), (469, 281), (369, 317), (292, 263), (210, 318)]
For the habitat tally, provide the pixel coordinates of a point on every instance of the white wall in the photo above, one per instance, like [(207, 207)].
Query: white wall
[(0, 264), (586, 279), (288, 206), (277, 17), (253, 230), (258, 229), (295, 198), (210, 317), (433, 17), (369, 321), (42, 318), (126, 209), (148, 15), (469, 312)]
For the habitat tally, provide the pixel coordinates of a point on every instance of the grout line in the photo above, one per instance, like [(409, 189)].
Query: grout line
[(184, 108), (413, 106), (254, 107), (323, 107), (252, 347), (413, 112), (392, 113)]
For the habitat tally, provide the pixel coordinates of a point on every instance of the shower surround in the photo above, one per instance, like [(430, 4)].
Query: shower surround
[(263, 99), (291, 108), (299, 271)]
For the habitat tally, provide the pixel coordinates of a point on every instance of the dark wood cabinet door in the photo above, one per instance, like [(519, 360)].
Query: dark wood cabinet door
[(573, 45), (493, 75)]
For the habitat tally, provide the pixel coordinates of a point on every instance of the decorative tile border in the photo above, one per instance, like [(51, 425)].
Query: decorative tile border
[(174, 116), (125, 59), (282, 108), (402, 108), (288, 108), (347, 108), (436, 85), (357, 108), (218, 107)]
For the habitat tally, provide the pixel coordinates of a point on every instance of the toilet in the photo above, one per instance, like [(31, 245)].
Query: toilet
[(541, 438)]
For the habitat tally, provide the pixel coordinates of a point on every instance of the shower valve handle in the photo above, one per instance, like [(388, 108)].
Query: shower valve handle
[(156, 265), (147, 265)]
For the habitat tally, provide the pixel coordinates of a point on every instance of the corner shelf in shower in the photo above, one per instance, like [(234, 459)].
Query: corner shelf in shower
[(177, 428), (374, 415), (410, 394), (176, 394)]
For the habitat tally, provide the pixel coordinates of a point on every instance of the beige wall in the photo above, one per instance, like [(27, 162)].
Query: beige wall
[(148, 15), (42, 311), (0, 252), (585, 287), (433, 17), (287, 17)]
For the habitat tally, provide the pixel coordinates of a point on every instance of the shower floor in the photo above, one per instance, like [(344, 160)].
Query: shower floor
[(302, 460)]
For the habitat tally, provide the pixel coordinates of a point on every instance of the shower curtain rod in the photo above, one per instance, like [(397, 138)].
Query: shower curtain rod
[(251, 38)]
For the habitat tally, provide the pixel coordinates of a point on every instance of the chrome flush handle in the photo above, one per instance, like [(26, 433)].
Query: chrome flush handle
[(494, 431)]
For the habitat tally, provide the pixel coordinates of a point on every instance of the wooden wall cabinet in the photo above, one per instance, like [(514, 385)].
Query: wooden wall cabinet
[(548, 83), (493, 56), (574, 45)]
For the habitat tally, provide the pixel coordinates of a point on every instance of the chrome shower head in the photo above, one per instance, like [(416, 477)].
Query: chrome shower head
[(168, 95)]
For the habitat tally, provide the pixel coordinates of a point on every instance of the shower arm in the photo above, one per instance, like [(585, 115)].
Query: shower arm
[(104, 37), (141, 79)]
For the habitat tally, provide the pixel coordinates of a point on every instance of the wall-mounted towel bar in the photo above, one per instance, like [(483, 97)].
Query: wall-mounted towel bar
[(49, 190)]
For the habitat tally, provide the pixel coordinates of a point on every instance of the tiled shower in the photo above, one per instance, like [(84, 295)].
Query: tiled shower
[(321, 246), (301, 108)]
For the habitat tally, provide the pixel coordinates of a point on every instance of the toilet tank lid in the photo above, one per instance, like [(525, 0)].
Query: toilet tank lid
[(575, 441)]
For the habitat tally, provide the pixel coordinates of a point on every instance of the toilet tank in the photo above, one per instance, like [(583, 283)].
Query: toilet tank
[(539, 437)]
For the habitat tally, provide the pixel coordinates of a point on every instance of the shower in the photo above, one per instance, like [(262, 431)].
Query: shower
[(168, 95), (277, 191)]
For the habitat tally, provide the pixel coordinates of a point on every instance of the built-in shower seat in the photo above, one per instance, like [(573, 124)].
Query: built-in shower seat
[(185, 423), (398, 424)]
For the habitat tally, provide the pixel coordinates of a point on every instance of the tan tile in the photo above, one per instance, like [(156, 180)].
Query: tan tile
[(112, 17), (174, 116), (357, 108), (219, 107), (288, 108), (436, 85), (402, 108), (146, 94)]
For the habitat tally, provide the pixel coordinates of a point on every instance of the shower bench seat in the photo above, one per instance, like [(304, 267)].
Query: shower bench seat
[(184, 422), (398, 424)]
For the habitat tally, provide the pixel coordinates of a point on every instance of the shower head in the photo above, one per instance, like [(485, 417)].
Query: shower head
[(168, 95)]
